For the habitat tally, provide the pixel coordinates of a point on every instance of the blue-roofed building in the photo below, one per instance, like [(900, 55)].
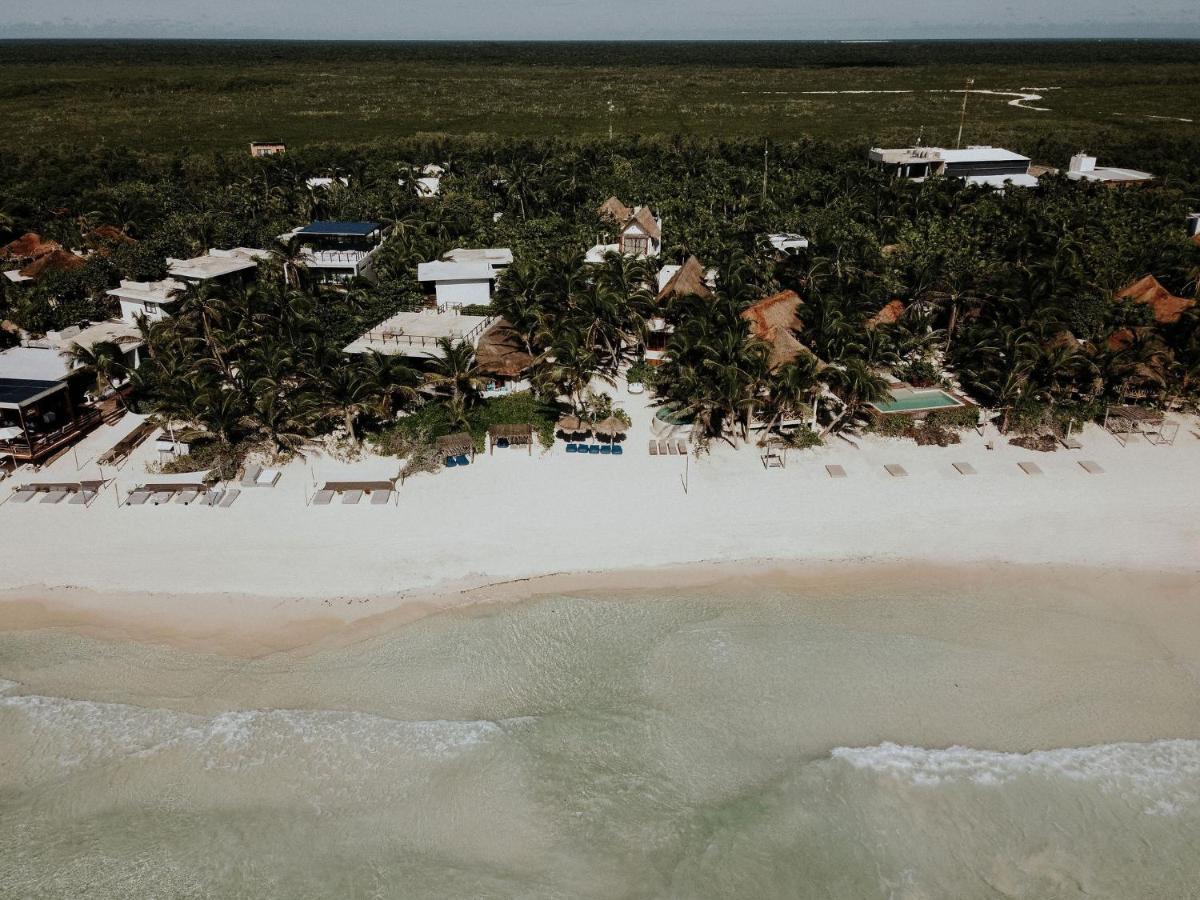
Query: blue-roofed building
[(338, 251)]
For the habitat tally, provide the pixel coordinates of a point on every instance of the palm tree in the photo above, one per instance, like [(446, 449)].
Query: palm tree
[(345, 393), (104, 361), (453, 372)]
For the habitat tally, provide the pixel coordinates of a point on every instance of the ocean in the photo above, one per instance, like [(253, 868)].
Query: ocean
[(706, 743)]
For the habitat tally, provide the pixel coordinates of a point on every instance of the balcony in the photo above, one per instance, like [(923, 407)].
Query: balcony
[(40, 445)]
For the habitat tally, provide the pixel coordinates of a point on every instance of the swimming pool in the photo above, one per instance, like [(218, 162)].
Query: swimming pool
[(907, 400)]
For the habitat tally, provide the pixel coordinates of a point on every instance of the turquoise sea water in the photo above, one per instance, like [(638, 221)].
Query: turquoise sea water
[(689, 747)]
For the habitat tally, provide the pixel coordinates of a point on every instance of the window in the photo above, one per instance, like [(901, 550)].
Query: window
[(634, 244)]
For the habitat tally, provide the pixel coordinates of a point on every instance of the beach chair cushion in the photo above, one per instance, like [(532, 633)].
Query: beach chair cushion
[(379, 498), (672, 449), (251, 476), (572, 448), (835, 471), (228, 497), (137, 498), (654, 448), (1030, 468), (594, 449), (186, 497), (617, 450), (209, 498), (896, 470), (1092, 468), (606, 449), (159, 497), (463, 460), (322, 498), (24, 495), (268, 478), (351, 497), (53, 496), (964, 468)]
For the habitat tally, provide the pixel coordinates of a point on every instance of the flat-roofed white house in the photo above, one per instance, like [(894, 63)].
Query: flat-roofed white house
[(127, 338), (639, 234), (338, 251), (1083, 168), (499, 258), (457, 284), (152, 300), (267, 148), (787, 241), (981, 165), (326, 182), (224, 266), (416, 334)]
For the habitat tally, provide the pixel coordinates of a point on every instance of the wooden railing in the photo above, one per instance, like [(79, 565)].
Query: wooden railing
[(44, 444)]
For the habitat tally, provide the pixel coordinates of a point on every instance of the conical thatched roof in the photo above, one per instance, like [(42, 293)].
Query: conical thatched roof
[(889, 315), (687, 282), (610, 427), (1166, 306), (774, 321), (28, 246), (501, 353), (109, 234), (646, 221), (54, 261), (614, 209)]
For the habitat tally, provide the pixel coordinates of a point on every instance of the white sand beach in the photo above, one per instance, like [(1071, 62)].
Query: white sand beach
[(514, 515)]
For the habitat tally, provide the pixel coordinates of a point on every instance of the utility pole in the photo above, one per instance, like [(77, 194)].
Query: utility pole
[(963, 116), (764, 190), (610, 122)]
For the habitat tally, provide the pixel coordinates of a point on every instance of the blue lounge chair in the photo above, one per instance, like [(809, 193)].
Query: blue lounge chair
[(451, 462), (462, 460), (572, 448), (606, 449), (617, 450), (593, 448)]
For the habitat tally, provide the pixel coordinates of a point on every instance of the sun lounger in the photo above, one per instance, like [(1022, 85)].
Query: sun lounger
[(228, 497), (186, 497), (137, 498), (251, 477), (159, 497), (451, 462), (965, 468), (53, 496), (24, 495), (209, 498), (1030, 468), (572, 448), (351, 497), (654, 448), (681, 447), (322, 498), (1071, 443), (672, 449), (835, 471), (594, 449), (1092, 468), (618, 450), (606, 449), (267, 478), (83, 498), (896, 470), (380, 498), (462, 459)]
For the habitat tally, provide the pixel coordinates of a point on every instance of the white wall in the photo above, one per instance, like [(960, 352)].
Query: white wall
[(132, 309), (464, 293)]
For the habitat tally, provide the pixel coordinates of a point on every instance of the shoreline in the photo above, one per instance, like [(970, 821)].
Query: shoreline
[(252, 626)]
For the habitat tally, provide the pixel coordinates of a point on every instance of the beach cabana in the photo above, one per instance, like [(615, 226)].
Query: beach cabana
[(573, 425), (1123, 422), (512, 436), (456, 448)]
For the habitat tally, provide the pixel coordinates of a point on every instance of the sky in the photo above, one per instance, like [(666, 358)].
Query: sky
[(598, 19)]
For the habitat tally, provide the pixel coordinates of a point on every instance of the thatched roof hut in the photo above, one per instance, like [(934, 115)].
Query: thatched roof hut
[(28, 246), (54, 261), (501, 353), (614, 210), (1166, 306), (689, 281), (889, 315), (513, 435), (109, 234), (774, 321)]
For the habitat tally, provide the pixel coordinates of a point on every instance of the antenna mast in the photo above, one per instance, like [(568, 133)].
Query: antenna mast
[(764, 190), (963, 116)]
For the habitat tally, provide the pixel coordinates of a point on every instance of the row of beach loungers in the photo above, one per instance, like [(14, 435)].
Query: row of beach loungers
[(596, 449), (377, 493), (79, 495), (183, 497), (668, 448), (965, 468)]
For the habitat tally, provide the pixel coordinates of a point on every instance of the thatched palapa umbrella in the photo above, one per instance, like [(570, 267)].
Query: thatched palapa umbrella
[(573, 425), (610, 427)]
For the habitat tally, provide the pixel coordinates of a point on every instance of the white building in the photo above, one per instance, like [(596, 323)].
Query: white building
[(457, 284), (217, 265), (125, 336), (416, 334), (1193, 224), (153, 300), (325, 183), (981, 165), (429, 183), (1084, 168), (787, 242), (499, 258), (338, 251)]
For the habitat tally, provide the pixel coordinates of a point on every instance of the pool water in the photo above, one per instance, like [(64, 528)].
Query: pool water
[(907, 400)]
